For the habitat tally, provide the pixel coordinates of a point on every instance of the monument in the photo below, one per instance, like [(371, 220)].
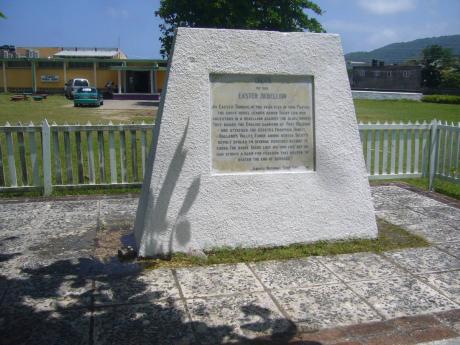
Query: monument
[(256, 144)]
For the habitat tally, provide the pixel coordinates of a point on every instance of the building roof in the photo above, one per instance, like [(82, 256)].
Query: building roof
[(83, 52)]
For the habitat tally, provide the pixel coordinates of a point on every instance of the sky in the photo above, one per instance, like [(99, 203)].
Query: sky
[(363, 24)]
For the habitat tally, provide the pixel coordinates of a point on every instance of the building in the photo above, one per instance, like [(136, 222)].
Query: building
[(47, 69), (386, 77)]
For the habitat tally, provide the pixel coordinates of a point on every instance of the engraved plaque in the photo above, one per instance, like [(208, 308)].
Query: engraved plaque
[(262, 123)]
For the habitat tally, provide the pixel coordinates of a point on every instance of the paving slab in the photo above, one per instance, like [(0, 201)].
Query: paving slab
[(139, 288), (451, 248), (453, 341), (118, 213), (217, 280), (49, 292), (404, 197), (402, 216), (292, 273), (402, 296), (241, 317), (435, 231), (21, 326), (450, 318), (71, 217), (447, 282), (16, 217), (424, 260), (324, 306), (439, 212), (162, 322), (360, 266), (51, 251)]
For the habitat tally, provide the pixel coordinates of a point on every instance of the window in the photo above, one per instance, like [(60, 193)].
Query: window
[(78, 64), (18, 64), (78, 82), (406, 74), (362, 73), (107, 65), (389, 74), (50, 64), (376, 74)]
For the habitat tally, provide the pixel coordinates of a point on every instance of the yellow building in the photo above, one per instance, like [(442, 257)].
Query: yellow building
[(47, 69)]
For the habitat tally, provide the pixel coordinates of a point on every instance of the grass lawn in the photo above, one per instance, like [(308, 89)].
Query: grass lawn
[(373, 111), (59, 109), (390, 237)]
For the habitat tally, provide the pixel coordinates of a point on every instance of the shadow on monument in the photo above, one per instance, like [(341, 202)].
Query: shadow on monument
[(153, 216), (39, 307)]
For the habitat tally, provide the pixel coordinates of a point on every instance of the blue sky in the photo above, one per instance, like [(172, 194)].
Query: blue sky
[(363, 24)]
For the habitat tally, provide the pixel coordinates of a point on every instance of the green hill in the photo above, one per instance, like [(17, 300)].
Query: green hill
[(404, 51)]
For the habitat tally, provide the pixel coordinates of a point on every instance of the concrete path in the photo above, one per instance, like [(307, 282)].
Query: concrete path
[(117, 104), (60, 283)]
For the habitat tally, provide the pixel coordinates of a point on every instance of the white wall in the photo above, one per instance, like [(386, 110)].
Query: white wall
[(381, 95)]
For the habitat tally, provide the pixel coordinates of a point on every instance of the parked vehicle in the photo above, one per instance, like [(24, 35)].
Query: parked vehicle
[(87, 96), (73, 85)]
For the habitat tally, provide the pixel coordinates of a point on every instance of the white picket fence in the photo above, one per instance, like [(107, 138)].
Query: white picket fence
[(73, 156), (46, 157), (408, 150)]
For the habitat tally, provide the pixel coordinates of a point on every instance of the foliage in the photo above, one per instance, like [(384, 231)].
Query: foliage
[(437, 56), (446, 99), (279, 15), (438, 67), (2, 15), (450, 78)]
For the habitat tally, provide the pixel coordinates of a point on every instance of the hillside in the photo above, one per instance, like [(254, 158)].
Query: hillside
[(403, 51)]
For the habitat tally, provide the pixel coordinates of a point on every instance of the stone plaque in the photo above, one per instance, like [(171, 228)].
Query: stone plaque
[(262, 123)]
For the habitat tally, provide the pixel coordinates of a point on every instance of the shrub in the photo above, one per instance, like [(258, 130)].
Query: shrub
[(448, 99)]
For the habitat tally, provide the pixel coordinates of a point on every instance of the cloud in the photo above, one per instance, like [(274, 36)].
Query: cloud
[(383, 37), (337, 25), (117, 12), (371, 36), (382, 7)]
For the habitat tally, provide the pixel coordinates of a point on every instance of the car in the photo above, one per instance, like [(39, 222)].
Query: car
[(73, 85), (87, 96)]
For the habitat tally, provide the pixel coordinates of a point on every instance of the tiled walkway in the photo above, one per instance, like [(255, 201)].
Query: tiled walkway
[(61, 284)]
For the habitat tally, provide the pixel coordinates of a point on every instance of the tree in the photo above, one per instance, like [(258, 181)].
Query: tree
[(435, 59), (276, 15)]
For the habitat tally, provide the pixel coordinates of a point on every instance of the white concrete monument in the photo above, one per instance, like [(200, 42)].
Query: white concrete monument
[(256, 144)]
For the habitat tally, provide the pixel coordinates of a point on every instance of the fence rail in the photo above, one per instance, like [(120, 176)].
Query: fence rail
[(72, 156), (407, 150), (44, 157)]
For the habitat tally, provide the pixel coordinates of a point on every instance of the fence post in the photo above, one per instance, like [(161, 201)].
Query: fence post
[(46, 147), (433, 153)]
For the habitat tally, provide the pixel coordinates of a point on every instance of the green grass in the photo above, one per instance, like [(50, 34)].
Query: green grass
[(61, 110), (440, 186), (390, 237), (389, 110)]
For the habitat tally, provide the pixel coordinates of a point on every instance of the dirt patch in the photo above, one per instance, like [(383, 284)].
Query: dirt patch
[(109, 241)]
